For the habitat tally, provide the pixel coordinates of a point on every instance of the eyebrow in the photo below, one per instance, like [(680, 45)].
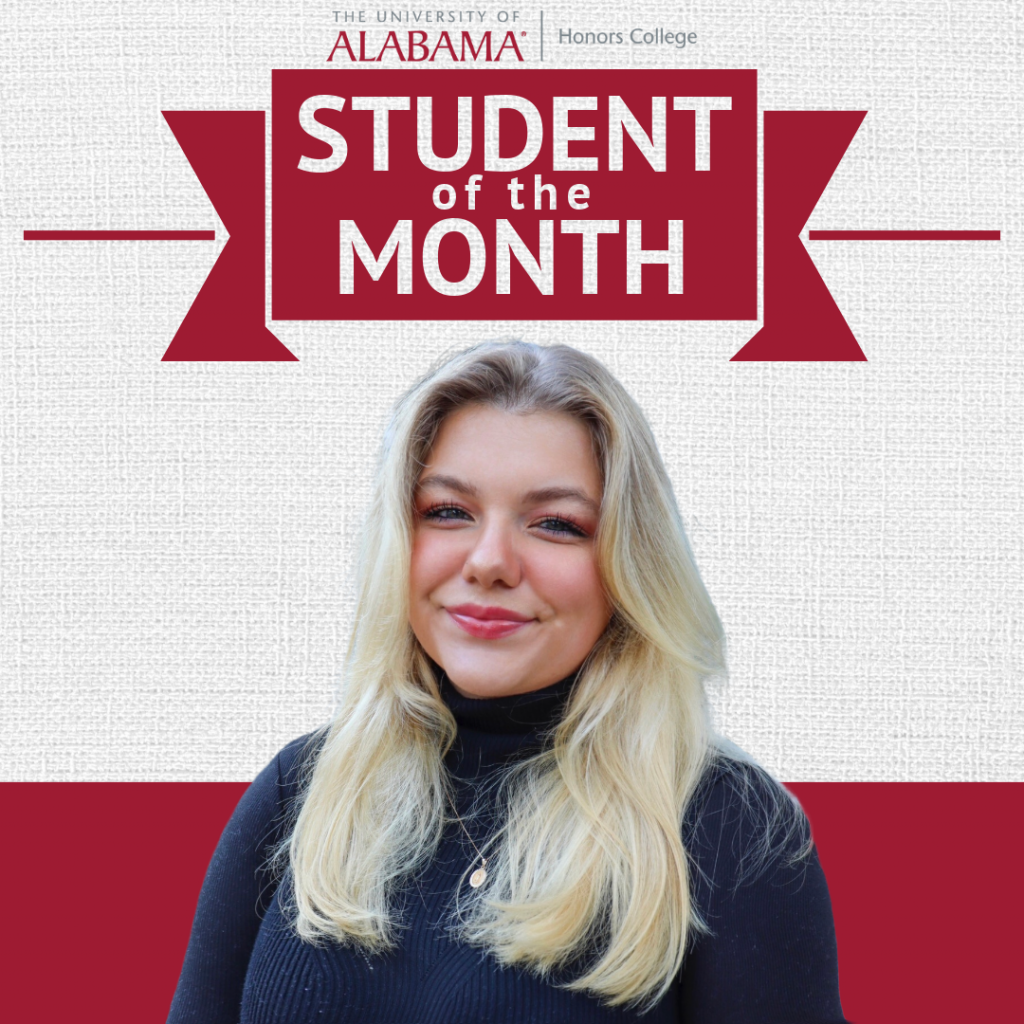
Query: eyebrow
[(453, 483), (557, 493), (540, 495)]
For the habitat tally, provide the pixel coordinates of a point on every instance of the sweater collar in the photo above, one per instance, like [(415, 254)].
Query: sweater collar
[(520, 714)]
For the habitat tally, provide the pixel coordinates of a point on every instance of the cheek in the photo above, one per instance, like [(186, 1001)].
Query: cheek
[(571, 584), (435, 558)]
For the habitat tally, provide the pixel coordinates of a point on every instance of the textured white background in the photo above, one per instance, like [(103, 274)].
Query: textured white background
[(177, 538)]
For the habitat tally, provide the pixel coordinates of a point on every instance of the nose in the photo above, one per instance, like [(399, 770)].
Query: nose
[(493, 558)]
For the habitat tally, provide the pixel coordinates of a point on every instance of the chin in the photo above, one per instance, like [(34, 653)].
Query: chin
[(474, 679)]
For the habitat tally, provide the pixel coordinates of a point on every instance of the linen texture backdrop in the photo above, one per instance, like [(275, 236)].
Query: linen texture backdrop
[(178, 538)]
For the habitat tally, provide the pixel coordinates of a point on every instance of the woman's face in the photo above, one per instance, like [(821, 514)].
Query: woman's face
[(504, 589)]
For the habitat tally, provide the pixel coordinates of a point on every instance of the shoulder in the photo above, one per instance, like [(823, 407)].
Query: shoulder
[(291, 766), (765, 948), (266, 811), (741, 824)]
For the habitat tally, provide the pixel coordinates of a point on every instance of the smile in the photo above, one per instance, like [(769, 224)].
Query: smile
[(488, 623)]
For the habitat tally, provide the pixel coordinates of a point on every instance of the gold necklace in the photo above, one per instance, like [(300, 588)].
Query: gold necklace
[(480, 875)]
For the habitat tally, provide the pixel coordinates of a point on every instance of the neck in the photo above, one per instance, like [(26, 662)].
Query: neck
[(495, 730)]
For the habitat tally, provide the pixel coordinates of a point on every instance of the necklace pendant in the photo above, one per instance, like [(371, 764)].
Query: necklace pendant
[(478, 878)]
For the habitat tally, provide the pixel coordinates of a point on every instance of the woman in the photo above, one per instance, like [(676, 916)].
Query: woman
[(520, 812)]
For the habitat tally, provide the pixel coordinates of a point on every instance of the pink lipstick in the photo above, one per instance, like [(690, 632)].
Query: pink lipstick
[(488, 623)]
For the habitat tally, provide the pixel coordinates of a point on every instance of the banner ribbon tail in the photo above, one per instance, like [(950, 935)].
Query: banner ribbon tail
[(227, 319), (802, 149)]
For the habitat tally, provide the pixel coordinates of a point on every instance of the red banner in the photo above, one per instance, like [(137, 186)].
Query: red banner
[(890, 851), (547, 195), (525, 194)]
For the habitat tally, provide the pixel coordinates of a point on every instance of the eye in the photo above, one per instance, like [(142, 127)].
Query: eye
[(445, 513), (562, 526)]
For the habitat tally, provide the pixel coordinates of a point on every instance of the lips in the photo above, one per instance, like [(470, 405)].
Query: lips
[(488, 623)]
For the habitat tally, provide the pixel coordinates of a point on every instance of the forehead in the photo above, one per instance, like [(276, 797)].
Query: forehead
[(530, 449)]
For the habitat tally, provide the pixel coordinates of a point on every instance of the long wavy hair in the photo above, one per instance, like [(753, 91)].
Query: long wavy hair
[(588, 866)]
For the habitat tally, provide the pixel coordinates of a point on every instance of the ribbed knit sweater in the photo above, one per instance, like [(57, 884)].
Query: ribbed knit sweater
[(770, 957)]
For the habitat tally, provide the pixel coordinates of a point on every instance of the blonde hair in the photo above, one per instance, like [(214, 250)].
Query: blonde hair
[(589, 865)]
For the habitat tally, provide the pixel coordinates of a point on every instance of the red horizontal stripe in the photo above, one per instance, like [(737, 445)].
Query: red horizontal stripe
[(120, 236), (102, 882), (904, 236)]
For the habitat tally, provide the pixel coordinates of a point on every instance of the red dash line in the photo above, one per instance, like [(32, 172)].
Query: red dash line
[(120, 236), (904, 236)]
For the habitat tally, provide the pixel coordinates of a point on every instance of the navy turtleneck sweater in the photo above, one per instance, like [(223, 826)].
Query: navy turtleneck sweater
[(770, 958)]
